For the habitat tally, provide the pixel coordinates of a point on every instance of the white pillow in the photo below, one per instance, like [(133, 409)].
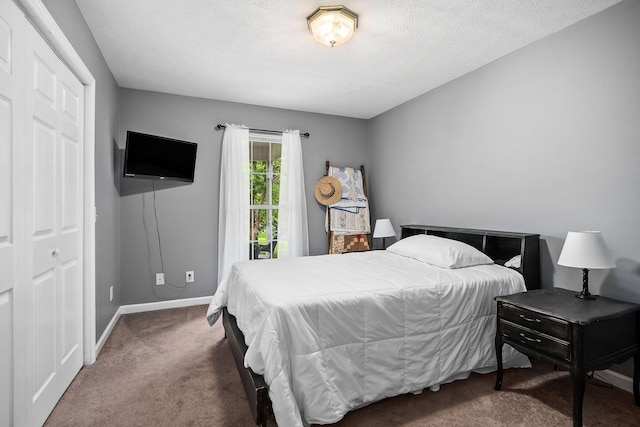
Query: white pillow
[(438, 251), (514, 262)]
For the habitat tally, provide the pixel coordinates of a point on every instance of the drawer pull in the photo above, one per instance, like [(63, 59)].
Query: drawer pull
[(530, 339), (522, 316)]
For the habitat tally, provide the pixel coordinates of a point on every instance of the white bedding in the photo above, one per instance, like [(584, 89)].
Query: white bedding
[(332, 333)]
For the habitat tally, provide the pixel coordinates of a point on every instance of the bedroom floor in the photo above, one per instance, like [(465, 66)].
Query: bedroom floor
[(169, 368)]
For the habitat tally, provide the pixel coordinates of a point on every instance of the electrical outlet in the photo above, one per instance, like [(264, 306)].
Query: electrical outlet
[(190, 277), (159, 278), (111, 293)]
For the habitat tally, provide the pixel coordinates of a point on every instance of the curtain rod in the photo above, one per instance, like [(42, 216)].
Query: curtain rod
[(304, 135)]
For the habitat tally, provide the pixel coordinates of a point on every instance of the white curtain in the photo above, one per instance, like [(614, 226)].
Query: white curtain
[(293, 232), (233, 222)]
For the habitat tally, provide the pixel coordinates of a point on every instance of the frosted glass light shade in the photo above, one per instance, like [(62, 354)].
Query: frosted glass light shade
[(383, 228), (585, 249), (332, 25)]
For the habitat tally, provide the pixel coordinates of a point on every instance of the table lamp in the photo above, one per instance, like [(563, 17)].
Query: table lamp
[(383, 229), (586, 250)]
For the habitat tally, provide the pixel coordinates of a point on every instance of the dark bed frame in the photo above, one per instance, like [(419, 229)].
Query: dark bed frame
[(501, 246)]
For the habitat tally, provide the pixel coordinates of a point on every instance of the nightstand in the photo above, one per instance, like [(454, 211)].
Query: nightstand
[(580, 335)]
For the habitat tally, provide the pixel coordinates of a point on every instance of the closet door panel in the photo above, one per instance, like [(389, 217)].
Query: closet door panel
[(9, 96), (44, 289), (12, 235), (7, 244), (71, 304), (44, 79), (6, 194), (71, 225), (6, 40), (43, 197), (70, 180), (6, 358), (54, 199)]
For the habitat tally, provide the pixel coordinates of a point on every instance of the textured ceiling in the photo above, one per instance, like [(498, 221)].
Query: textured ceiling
[(261, 52)]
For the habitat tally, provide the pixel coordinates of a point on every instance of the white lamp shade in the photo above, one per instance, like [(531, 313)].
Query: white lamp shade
[(383, 228), (585, 249)]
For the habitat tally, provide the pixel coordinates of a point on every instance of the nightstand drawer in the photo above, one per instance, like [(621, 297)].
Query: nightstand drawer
[(546, 324), (540, 342)]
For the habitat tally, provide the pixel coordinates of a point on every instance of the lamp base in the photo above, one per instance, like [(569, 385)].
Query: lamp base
[(587, 295)]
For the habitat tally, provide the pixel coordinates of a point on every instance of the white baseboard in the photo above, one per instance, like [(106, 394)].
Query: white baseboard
[(107, 331), (617, 379), (164, 305), (140, 308)]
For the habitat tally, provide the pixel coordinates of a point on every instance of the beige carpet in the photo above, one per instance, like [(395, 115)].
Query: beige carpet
[(169, 368)]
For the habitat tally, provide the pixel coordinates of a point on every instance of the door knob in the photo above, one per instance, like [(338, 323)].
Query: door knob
[(55, 252)]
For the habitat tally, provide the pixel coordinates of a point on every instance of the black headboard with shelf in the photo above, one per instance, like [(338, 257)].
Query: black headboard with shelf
[(501, 246)]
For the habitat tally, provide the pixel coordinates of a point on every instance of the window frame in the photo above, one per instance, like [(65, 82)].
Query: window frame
[(268, 249)]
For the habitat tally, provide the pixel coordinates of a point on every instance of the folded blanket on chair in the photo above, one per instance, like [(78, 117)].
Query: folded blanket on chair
[(350, 215)]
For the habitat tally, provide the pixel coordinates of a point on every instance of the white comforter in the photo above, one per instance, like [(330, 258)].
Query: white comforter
[(333, 333)]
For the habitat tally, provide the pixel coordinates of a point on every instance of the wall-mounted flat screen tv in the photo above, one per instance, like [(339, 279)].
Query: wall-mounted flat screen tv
[(157, 157)]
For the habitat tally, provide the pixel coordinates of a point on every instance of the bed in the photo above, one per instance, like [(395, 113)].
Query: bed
[(316, 337)]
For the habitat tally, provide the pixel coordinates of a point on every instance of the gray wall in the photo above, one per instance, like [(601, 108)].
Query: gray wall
[(69, 19), (545, 140), (188, 214)]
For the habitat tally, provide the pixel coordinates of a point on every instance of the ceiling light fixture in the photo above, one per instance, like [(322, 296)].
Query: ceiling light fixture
[(332, 25)]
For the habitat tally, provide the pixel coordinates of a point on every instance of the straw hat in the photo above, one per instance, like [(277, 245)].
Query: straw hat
[(328, 190)]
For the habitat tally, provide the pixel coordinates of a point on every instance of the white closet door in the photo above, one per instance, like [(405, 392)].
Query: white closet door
[(11, 236), (54, 202)]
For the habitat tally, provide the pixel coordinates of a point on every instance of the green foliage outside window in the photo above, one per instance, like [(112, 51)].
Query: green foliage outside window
[(265, 196)]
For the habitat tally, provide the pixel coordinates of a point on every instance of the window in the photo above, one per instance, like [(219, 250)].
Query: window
[(262, 208), (265, 153)]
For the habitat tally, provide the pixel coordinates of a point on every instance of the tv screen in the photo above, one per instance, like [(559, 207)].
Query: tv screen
[(157, 157)]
